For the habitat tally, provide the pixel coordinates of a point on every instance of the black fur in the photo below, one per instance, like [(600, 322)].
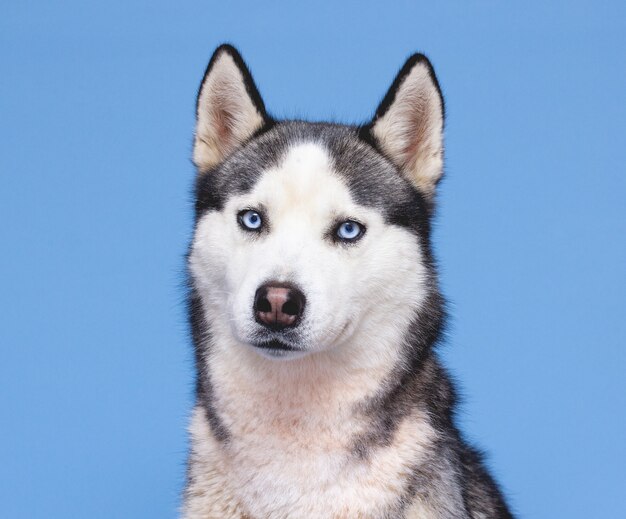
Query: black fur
[(204, 387)]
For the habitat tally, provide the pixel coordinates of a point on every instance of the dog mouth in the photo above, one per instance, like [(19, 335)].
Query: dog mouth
[(277, 349), (275, 344)]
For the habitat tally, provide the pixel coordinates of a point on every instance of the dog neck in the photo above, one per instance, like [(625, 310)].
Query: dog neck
[(289, 426), (256, 395)]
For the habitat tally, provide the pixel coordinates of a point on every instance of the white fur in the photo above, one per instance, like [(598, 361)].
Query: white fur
[(304, 198), (291, 423), (226, 116), (411, 131)]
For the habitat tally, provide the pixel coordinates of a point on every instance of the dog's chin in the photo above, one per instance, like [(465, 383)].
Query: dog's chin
[(278, 350)]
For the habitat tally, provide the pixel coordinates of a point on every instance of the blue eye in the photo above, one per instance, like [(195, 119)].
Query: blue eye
[(349, 231), (250, 220)]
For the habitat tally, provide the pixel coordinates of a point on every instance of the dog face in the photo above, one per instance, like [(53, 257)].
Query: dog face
[(309, 236)]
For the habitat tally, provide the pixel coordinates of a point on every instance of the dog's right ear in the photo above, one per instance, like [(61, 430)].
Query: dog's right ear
[(229, 109)]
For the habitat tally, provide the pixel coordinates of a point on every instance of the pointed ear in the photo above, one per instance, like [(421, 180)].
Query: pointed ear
[(408, 125), (229, 109)]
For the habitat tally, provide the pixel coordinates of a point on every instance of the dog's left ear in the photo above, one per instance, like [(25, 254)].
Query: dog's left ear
[(408, 124), (229, 109)]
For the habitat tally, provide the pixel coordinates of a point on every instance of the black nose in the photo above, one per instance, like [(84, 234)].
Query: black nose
[(278, 305)]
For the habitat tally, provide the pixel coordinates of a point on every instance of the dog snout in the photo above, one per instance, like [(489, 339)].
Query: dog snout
[(278, 305)]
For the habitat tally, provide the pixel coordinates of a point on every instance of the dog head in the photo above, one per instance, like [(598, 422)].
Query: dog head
[(309, 236)]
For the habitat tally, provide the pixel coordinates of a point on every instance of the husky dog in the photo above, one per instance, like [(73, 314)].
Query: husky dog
[(315, 313)]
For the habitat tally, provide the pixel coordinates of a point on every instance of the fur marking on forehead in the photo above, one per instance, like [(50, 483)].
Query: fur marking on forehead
[(305, 158), (304, 179)]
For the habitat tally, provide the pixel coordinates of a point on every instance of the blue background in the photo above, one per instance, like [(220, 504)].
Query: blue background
[(96, 118)]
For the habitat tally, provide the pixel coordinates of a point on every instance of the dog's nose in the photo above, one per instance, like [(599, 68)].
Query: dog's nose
[(278, 305)]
